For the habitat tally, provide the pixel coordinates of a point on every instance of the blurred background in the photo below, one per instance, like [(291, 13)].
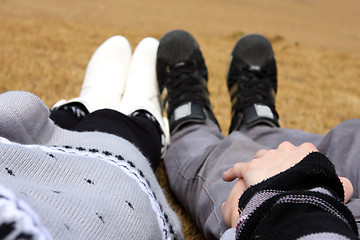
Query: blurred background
[(45, 46)]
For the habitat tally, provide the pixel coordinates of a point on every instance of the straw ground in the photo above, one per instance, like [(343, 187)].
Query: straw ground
[(45, 47)]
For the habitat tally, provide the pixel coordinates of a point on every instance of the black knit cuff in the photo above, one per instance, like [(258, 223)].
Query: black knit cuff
[(311, 186), (313, 171)]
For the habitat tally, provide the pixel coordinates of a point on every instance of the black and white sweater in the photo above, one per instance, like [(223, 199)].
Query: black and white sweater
[(304, 202), (69, 185)]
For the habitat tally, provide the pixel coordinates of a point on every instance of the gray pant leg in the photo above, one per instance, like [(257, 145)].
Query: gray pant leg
[(197, 156), (272, 136), (342, 146)]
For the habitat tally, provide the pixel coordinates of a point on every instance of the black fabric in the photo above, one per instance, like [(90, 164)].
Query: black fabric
[(69, 115), (6, 229), (139, 130), (304, 214), (292, 221), (313, 171)]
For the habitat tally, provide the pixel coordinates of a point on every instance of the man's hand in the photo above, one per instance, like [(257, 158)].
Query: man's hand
[(265, 164)]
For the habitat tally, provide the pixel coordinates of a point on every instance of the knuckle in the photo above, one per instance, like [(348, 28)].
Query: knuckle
[(308, 146), (286, 144), (259, 152), (271, 152)]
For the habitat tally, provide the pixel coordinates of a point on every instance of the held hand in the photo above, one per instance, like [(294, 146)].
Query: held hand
[(229, 208), (348, 188), (266, 163)]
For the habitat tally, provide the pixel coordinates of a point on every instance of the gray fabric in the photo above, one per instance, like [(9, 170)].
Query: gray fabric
[(327, 236), (196, 158), (87, 185), (199, 154), (230, 234), (24, 222)]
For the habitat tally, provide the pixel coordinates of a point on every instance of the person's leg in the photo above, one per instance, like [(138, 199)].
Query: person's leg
[(341, 145), (254, 84), (182, 76), (105, 76), (273, 136), (138, 116), (141, 96), (128, 106), (103, 84), (69, 115), (195, 160), (139, 129), (252, 74), (198, 153)]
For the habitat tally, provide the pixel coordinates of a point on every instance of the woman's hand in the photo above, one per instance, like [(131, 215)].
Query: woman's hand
[(265, 164), (268, 163), (229, 209)]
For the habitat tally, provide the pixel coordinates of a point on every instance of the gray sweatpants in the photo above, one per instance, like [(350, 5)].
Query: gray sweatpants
[(199, 153)]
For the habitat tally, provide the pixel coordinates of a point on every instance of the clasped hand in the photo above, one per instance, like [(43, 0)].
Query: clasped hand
[(265, 164)]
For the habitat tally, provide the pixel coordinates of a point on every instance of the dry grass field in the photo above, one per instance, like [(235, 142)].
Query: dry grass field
[(45, 46)]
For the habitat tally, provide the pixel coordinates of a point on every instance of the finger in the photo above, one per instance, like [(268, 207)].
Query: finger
[(224, 214), (309, 147), (348, 188), (229, 209), (286, 145), (235, 172), (260, 153)]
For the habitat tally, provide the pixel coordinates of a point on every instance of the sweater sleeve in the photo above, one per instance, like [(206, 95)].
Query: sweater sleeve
[(303, 202), (18, 220)]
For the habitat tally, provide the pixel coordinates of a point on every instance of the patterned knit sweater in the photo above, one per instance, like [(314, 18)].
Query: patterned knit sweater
[(68, 185), (305, 202)]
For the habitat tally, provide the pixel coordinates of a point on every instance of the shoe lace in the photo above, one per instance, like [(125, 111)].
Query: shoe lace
[(187, 84), (253, 87)]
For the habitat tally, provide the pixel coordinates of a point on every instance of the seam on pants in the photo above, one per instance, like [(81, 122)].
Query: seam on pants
[(214, 211)]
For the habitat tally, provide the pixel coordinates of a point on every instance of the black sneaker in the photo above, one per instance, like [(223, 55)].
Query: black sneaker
[(252, 83), (182, 77)]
